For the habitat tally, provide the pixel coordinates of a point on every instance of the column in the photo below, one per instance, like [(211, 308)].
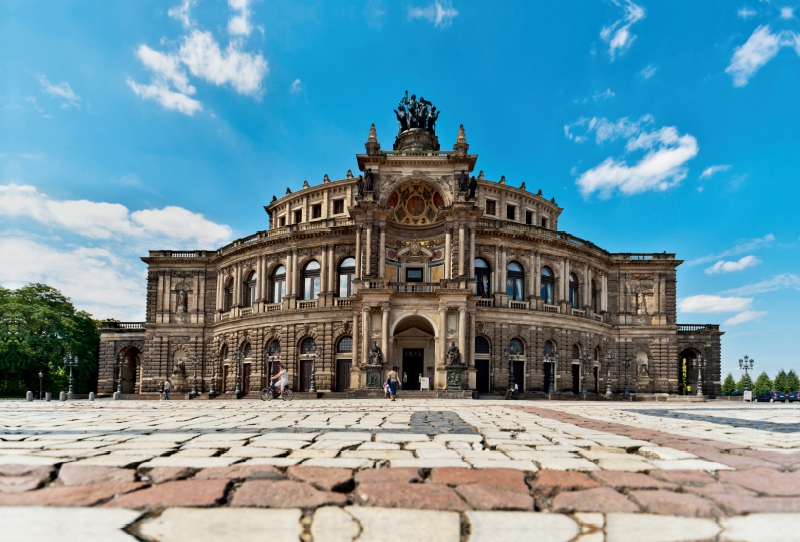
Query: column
[(461, 250), (471, 269), (238, 293), (462, 333), (323, 274), (385, 333), (220, 285), (496, 275), (265, 282), (366, 329), (259, 278), (447, 252), (537, 286), (565, 281), (355, 340), (358, 252), (531, 284), (471, 341), (504, 263), (369, 250), (605, 293), (331, 270), (587, 289), (440, 361), (382, 255)]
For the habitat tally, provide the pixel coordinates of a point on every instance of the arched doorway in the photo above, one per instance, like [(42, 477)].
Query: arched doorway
[(687, 371), (414, 341), (130, 358)]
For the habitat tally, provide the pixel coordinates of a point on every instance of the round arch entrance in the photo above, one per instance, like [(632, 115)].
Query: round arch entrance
[(687, 371), (414, 351), (130, 358)]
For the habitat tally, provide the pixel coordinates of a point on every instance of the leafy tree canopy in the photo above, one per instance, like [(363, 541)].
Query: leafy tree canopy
[(39, 326), (762, 384), (729, 385)]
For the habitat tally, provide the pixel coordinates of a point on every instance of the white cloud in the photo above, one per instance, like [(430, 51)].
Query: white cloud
[(723, 266), (662, 167), (760, 48), (779, 282), (787, 13), (709, 171), (62, 90), (743, 246), (181, 13), (743, 317), (608, 94), (296, 87), (648, 72), (100, 220), (440, 13), (94, 278), (713, 304), (204, 58), (239, 24), (618, 34), (166, 97), (374, 13), (744, 13)]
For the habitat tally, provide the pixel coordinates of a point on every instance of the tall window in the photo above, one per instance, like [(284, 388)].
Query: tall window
[(308, 346), (316, 211), (528, 217), (576, 351), (517, 347), (549, 349), (223, 354), (482, 345), (544, 223), (515, 282), (574, 291), (274, 348), (247, 351), (298, 216), (250, 290), (347, 272), (547, 286), (278, 289), (311, 280), (491, 207), (511, 212), (345, 345), (228, 304), (483, 276), (338, 206), (594, 296)]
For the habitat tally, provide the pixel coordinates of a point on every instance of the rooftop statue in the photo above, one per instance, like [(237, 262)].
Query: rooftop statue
[(413, 113)]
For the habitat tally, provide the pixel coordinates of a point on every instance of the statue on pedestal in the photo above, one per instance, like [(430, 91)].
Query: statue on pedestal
[(473, 186), (369, 180), (360, 185), (453, 356), (375, 354), (181, 305), (463, 181)]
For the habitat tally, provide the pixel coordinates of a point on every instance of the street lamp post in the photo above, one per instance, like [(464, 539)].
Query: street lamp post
[(212, 389), (609, 363), (194, 381), (745, 365), (584, 360), (551, 388), (701, 364), (511, 356), (238, 357), (70, 361), (626, 364), (312, 385), (118, 362), (40, 384)]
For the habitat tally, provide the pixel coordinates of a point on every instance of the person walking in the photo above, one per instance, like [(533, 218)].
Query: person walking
[(394, 382), (167, 386), (161, 389)]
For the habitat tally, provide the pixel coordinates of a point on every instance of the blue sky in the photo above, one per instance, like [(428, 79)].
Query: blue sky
[(129, 126)]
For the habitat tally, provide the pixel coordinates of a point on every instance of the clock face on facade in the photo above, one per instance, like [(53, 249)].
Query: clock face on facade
[(415, 203)]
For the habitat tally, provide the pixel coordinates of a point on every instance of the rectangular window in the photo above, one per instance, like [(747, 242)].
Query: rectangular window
[(338, 206), (281, 221), (316, 211), (511, 212), (298, 216), (528, 217), (414, 275), (491, 207), (311, 289), (544, 222)]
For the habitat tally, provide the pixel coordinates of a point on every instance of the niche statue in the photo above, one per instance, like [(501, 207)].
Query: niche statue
[(375, 354), (453, 355)]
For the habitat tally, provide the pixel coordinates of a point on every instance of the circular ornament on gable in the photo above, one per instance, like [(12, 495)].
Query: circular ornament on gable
[(415, 203)]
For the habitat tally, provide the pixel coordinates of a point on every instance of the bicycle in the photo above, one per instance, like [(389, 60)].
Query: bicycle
[(270, 392)]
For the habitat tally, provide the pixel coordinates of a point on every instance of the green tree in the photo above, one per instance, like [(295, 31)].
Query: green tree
[(38, 327), (740, 384), (763, 383), (729, 385), (792, 381), (781, 381)]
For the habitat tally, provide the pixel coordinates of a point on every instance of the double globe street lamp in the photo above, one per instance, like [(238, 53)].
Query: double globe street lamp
[(745, 365), (70, 360)]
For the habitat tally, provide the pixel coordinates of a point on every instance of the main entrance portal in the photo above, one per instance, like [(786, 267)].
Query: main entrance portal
[(413, 366)]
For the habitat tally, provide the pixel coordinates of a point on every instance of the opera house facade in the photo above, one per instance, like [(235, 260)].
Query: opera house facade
[(464, 283)]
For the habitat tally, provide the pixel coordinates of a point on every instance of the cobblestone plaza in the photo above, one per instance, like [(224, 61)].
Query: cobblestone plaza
[(356, 470)]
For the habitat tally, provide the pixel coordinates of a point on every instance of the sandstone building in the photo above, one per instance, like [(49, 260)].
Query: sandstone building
[(420, 263)]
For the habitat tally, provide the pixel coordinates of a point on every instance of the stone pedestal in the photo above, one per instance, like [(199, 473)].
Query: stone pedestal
[(373, 376), (454, 376)]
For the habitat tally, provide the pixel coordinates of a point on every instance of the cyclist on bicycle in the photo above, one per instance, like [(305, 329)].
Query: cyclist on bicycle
[(282, 378)]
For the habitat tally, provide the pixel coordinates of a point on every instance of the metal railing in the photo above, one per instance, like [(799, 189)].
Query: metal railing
[(698, 327)]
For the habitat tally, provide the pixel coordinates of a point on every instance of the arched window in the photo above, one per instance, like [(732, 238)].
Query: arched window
[(594, 296), (278, 287), (597, 354), (515, 281), (228, 300), (274, 348), (549, 349), (517, 347), (347, 272), (576, 351), (482, 345), (547, 286), (223, 353), (574, 291), (308, 346), (247, 351), (483, 276), (311, 280), (250, 290), (345, 345)]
